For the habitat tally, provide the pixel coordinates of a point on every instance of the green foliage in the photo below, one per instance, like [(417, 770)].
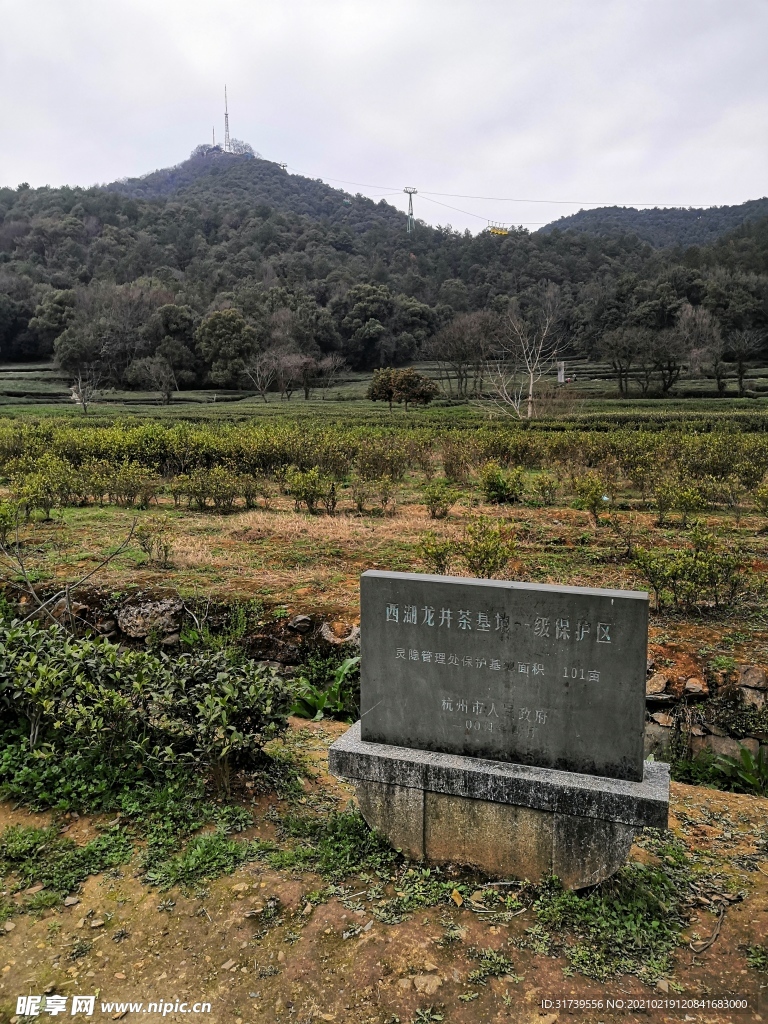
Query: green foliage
[(747, 773), (501, 487), (437, 552), (705, 572), (203, 858), (486, 548), (493, 964), (439, 497), (84, 720), (757, 958), (339, 845), (628, 924), (322, 693), (591, 493), (307, 488), (42, 856), (406, 385)]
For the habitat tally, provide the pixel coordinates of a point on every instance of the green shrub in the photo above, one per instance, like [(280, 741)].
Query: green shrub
[(83, 720), (335, 694), (486, 548), (591, 493), (747, 773), (501, 487), (306, 488), (155, 539), (439, 496), (545, 488), (437, 552)]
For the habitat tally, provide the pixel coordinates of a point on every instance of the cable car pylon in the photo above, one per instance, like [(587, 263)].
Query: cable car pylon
[(411, 225)]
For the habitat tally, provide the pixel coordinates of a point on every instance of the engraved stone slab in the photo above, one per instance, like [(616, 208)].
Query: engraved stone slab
[(517, 672)]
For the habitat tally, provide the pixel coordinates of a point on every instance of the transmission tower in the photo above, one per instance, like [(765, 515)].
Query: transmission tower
[(410, 192), (227, 146)]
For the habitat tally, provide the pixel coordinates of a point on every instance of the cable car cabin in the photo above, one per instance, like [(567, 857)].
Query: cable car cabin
[(497, 229)]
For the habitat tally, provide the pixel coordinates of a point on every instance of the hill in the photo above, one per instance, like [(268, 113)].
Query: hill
[(191, 271), (663, 227)]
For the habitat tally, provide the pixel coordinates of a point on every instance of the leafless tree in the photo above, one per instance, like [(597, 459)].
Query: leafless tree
[(261, 371), (742, 346), (461, 349), (288, 370), (85, 387), (704, 341), (156, 374), (526, 350), (330, 368)]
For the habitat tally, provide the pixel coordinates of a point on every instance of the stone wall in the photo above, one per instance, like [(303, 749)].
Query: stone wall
[(720, 714)]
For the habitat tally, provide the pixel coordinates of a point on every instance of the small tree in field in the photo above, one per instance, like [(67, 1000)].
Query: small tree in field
[(389, 385)]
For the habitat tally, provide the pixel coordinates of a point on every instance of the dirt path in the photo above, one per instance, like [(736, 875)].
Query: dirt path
[(254, 946)]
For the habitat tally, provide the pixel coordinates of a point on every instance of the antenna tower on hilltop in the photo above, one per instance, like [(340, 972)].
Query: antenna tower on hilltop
[(227, 146), (410, 192)]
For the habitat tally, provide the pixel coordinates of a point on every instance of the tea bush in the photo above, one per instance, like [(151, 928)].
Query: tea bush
[(501, 487), (84, 720)]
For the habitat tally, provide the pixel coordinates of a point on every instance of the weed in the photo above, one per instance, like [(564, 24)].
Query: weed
[(80, 949), (492, 965), (339, 845), (204, 857), (338, 698), (428, 1015), (757, 958), (747, 773), (42, 856), (628, 924)]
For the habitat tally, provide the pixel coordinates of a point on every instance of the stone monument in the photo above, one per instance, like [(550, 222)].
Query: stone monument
[(502, 724)]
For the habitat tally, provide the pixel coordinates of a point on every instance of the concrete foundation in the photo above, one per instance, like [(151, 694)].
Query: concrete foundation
[(504, 819)]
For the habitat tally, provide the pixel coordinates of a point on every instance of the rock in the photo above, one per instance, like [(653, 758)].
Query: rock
[(695, 685), (228, 965), (657, 741), (752, 676), (753, 698), (140, 619), (34, 889), (404, 983), (106, 626), (281, 956), (329, 634), (657, 683), (241, 887), (71, 901), (97, 922), (61, 613), (120, 976), (716, 730), (660, 718), (723, 745), (427, 984), (662, 985), (172, 640), (300, 624), (9, 926)]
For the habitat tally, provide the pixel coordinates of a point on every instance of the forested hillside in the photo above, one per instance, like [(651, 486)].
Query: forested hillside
[(189, 276), (663, 227)]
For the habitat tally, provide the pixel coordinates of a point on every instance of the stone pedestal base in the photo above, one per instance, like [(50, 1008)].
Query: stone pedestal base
[(504, 819)]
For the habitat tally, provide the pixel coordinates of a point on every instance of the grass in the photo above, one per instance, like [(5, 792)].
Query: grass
[(41, 856)]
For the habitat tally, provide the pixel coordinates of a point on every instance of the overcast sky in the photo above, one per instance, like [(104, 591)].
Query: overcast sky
[(587, 101)]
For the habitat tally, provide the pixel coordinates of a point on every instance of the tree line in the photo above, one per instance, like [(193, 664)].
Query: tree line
[(226, 272)]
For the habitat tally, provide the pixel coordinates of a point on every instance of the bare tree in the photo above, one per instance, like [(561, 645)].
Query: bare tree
[(704, 341), (261, 371), (288, 370), (330, 368), (527, 348), (462, 348), (742, 346), (622, 347), (156, 374), (85, 387)]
